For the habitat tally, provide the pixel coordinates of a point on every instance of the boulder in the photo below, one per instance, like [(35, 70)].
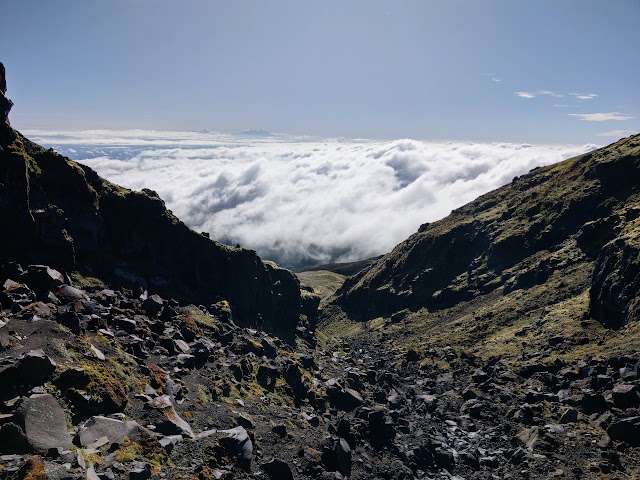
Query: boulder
[(70, 294), (345, 399), (625, 396), (34, 368), (97, 427), (342, 453), (570, 415), (167, 421), (42, 279), (13, 439), (238, 444), (277, 470), (626, 430), (45, 423), (152, 305)]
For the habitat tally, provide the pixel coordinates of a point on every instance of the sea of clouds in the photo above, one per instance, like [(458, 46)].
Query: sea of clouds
[(303, 201)]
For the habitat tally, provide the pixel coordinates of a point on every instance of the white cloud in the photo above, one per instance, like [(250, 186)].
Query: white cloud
[(525, 94), (550, 93), (584, 96), (306, 202), (617, 133), (560, 105), (601, 117)]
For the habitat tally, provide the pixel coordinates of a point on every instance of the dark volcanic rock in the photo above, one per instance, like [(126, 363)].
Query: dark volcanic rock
[(625, 396), (5, 103), (13, 439), (277, 470), (238, 443), (32, 369), (626, 430), (615, 292), (167, 420), (44, 423), (114, 430)]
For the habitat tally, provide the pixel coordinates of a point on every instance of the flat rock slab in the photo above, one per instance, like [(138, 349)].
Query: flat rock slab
[(98, 427), (44, 423)]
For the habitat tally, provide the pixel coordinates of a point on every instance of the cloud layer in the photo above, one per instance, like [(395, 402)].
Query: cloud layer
[(303, 202), (601, 117)]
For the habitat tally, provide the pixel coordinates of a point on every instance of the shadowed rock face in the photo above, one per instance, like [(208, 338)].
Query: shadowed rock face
[(507, 240), (60, 213), (5, 103)]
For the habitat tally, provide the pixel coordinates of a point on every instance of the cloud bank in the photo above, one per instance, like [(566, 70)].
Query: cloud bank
[(304, 202)]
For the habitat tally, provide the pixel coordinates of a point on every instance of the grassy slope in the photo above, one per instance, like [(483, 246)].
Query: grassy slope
[(521, 235), (323, 282)]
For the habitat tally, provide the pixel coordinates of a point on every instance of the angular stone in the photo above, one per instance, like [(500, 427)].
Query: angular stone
[(44, 423), (479, 376), (343, 456), (626, 430), (13, 439), (170, 441), (41, 278), (97, 353), (114, 430), (345, 399), (593, 403), (152, 305), (625, 396), (277, 470), (71, 320), (141, 471), (182, 346), (570, 415), (169, 423), (201, 351), (74, 377), (238, 443), (70, 294), (34, 368)]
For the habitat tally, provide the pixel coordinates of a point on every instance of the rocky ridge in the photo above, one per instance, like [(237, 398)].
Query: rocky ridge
[(64, 215)]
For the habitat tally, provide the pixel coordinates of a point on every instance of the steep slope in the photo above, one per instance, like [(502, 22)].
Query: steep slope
[(516, 320), (62, 214), (561, 217)]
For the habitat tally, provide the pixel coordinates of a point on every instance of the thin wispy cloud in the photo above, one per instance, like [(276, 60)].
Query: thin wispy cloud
[(601, 117), (493, 76), (617, 133), (560, 105), (305, 202), (550, 93), (525, 94), (584, 96)]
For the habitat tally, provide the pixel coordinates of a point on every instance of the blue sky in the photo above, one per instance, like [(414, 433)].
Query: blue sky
[(544, 71)]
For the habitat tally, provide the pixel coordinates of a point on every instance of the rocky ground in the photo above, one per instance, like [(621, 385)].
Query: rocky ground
[(97, 383)]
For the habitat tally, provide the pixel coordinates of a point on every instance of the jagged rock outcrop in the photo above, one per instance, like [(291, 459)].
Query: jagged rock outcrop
[(516, 237), (5, 103), (615, 292), (60, 213)]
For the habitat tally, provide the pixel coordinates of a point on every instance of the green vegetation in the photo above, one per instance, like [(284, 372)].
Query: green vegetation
[(323, 282)]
